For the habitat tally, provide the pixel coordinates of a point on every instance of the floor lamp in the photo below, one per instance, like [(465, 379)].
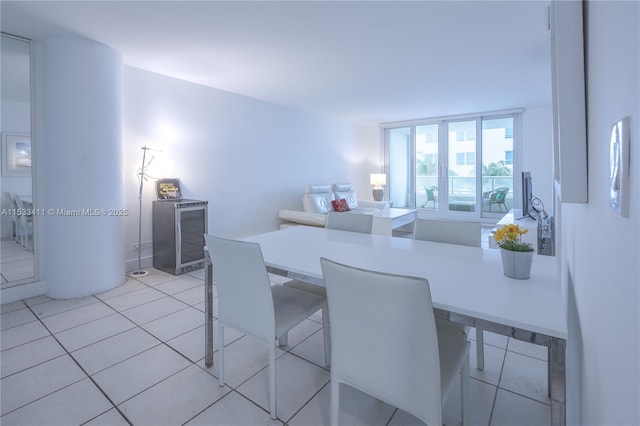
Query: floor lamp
[(142, 175)]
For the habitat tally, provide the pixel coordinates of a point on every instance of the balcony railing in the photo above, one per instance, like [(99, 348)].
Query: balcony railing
[(462, 192)]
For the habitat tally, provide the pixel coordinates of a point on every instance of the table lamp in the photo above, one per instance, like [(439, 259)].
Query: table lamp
[(378, 180)]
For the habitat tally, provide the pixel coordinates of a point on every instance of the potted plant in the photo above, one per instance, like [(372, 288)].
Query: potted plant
[(517, 255)]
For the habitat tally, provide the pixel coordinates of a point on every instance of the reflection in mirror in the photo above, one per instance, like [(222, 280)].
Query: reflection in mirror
[(17, 251)]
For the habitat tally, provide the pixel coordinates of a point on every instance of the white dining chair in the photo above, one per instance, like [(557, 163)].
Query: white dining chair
[(347, 221), (11, 205), (248, 302), (342, 221), (25, 222), (453, 232), (416, 369)]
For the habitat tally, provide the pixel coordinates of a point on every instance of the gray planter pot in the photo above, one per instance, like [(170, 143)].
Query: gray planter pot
[(517, 264)]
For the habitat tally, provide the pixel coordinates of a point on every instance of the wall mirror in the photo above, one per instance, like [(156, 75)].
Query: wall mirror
[(17, 262)]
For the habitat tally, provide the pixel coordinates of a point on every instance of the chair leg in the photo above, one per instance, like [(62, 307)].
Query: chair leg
[(220, 353), (327, 336), (464, 390), (335, 401), (272, 381), (283, 340), (479, 349)]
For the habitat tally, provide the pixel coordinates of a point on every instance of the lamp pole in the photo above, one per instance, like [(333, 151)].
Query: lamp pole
[(141, 174)]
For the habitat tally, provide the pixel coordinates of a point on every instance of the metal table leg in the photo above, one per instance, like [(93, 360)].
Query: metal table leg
[(557, 347), (208, 310), (557, 381)]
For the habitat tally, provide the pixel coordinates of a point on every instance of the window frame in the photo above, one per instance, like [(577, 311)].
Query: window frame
[(442, 122)]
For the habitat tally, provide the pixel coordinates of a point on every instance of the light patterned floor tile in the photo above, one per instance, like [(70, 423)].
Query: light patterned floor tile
[(22, 334), (356, 409), (184, 282), (76, 317), (87, 334), (110, 418), (53, 307), (26, 386), (175, 324), (297, 381), (72, 405), (114, 349), (134, 298), (15, 318), (132, 376), (244, 358), (153, 310), (511, 409), (30, 354), (526, 376), (233, 410), (143, 409)]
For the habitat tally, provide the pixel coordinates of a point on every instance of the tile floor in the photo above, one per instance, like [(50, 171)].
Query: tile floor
[(134, 355), (16, 262)]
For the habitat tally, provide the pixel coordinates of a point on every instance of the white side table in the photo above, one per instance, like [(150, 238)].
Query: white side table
[(515, 216), (386, 220)]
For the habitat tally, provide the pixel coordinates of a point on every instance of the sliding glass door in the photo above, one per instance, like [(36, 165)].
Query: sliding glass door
[(497, 165), (461, 168), (399, 166), (427, 187)]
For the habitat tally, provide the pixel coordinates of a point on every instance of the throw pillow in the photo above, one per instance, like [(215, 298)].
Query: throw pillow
[(340, 205)]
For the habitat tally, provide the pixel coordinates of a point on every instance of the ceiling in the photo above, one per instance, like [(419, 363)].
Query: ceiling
[(361, 61)]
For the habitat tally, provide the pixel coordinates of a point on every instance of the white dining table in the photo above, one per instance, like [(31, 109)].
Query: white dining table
[(467, 286)]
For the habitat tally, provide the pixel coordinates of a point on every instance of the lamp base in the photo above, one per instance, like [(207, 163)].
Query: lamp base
[(378, 194), (139, 273)]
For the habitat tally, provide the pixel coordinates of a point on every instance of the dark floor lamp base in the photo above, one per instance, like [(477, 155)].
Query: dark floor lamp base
[(140, 273)]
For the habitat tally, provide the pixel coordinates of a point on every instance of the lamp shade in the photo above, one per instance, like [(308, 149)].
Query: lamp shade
[(378, 179)]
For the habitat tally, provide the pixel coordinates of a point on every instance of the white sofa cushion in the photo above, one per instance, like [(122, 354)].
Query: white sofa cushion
[(342, 187), (317, 189), (344, 190), (304, 218), (317, 199)]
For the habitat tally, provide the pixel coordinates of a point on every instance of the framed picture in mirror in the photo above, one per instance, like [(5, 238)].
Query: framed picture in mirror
[(16, 154)]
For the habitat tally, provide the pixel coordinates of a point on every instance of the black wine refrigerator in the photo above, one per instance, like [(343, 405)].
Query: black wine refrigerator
[(178, 235)]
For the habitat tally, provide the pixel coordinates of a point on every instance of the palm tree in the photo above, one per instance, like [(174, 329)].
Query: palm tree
[(426, 166), (498, 168)]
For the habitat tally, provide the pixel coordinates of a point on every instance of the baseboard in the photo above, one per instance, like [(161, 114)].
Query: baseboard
[(145, 262)]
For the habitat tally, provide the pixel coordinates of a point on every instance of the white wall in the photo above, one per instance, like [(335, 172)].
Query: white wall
[(600, 249), (537, 152), (246, 157)]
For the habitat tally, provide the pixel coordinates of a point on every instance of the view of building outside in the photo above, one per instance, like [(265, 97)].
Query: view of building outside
[(497, 164), (427, 166)]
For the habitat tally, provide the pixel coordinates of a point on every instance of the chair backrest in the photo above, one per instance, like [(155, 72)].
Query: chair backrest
[(431, 192), (447, 231), (244, 291), (348, 221), (384, 324), (23, 219), (501, 194), (317, 199), (18, 201), (10, 201)]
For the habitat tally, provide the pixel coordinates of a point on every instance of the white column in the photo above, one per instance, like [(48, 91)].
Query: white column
[(80, 134)]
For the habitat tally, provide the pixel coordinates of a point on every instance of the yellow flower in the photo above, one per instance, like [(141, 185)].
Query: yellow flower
[(509, 237)]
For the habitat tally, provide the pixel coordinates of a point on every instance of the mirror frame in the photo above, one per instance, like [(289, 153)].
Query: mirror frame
[(35, 276)]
